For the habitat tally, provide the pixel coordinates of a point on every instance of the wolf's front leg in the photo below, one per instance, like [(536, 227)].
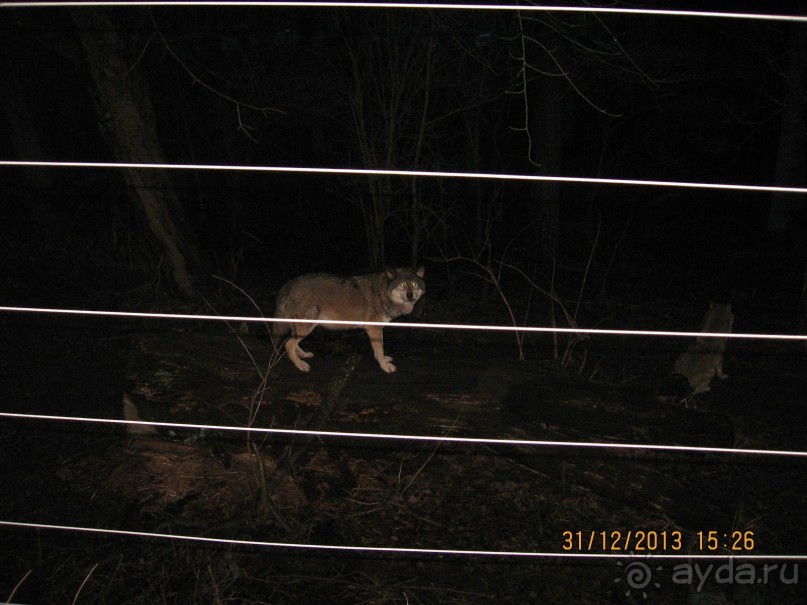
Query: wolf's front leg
[(376, 334)]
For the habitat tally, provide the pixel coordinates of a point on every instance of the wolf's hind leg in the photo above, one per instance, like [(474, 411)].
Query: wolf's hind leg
[(292, 348), (295, 352), (303, 354)]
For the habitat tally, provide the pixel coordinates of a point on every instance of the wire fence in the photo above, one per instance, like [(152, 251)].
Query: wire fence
[(404, 325), (408, 325), (523, 8)]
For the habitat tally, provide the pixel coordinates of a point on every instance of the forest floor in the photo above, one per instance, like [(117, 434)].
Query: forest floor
[(378, 493)]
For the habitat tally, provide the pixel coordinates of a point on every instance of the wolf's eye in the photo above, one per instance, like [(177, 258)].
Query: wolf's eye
[(414, 284)]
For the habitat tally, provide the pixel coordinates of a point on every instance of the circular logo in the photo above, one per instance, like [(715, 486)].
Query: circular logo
[(638, 575)]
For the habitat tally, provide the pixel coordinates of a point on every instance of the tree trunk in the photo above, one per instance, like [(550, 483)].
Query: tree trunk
[(790, 160), (546, 130), (127, 122)]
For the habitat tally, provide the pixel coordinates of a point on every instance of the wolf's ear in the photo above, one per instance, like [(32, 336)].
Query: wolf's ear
[(389, 273), (420, 271)]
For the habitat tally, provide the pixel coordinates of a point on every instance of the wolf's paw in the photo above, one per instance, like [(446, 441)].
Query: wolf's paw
[(386, 365), (304, 354), (301, 365)]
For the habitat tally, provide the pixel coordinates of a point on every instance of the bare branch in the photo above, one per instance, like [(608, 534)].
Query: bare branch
[(239, 105)]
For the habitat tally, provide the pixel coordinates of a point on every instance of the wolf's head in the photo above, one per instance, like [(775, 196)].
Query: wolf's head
[(406, 286)]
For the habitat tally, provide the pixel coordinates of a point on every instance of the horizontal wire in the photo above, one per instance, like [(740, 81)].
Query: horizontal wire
[(415, 551), (409, 173), (398, 550), (427, 438), (427, 6), (416, 325)]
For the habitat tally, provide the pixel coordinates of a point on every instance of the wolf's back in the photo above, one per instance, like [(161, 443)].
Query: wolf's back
[(301, 299)]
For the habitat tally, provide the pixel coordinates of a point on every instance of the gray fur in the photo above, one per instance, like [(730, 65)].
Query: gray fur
[(378, 297)]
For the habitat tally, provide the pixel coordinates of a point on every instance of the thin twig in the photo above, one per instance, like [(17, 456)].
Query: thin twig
[(86, 578), (434, 451), (196, 79), (17, 585)]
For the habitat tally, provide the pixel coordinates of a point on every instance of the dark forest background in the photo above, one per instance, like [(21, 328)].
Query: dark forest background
[(572, 94), (533, 93)]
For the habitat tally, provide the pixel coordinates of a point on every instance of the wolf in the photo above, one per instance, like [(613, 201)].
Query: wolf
[(703, 360), (378, 297)]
